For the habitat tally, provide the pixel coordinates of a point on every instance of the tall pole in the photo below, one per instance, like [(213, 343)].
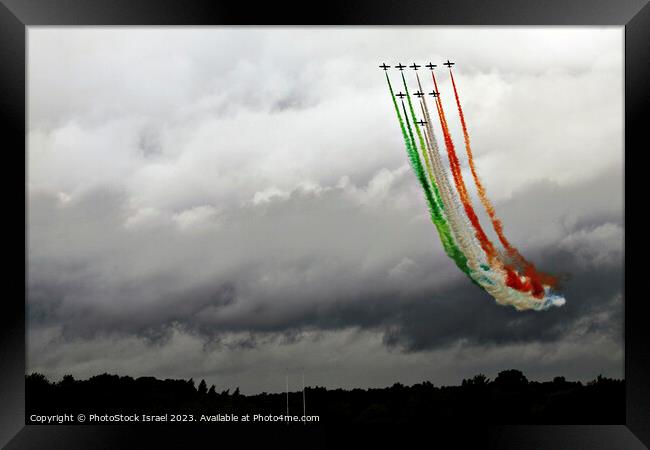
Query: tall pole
[(287, 375), (303, 398)]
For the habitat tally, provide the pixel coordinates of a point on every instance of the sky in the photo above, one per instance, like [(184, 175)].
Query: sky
[(235, 204)]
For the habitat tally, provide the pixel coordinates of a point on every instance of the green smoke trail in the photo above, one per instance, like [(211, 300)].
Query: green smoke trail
[(430, 190), (447, 237), (427, 162)]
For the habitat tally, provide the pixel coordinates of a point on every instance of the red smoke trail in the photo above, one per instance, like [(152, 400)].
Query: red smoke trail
[(536, 277), (486, 245), (513, 279)]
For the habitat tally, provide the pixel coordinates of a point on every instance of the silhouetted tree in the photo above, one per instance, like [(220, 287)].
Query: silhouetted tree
[(477, 380), (601, 381), (67, 380), (37, 379), (480, 379), (511, 378), (203, 388)]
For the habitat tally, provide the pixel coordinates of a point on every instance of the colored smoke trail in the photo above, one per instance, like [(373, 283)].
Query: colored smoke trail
[(537, 278), (425, 155), (480, 272), (457, 174), (462, 236), (454, 252), (436, 213), (512, 278), (455, 218)]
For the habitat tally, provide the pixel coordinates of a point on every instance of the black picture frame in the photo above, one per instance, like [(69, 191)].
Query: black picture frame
[(16, 15)]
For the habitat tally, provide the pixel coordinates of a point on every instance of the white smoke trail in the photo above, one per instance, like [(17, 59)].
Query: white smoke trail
[(490, 278), (452, 204)]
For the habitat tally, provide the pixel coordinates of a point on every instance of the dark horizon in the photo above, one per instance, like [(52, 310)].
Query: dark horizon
[(509, 398), (298, 376)]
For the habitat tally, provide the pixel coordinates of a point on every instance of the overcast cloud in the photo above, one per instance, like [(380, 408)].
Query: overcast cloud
[(224, 203)]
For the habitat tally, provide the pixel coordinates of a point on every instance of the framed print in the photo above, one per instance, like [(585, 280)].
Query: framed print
[(370, 218)]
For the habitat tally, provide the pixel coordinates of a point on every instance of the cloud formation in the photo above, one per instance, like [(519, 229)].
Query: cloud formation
[(223, 194)]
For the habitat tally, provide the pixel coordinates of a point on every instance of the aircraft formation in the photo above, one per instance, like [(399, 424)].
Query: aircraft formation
[(414, 66), (501, 272)]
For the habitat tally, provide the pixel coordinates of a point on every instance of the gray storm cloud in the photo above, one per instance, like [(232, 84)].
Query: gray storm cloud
[(230, 199)]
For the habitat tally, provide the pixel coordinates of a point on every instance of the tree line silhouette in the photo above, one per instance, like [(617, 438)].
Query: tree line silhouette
[(508, 399)]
